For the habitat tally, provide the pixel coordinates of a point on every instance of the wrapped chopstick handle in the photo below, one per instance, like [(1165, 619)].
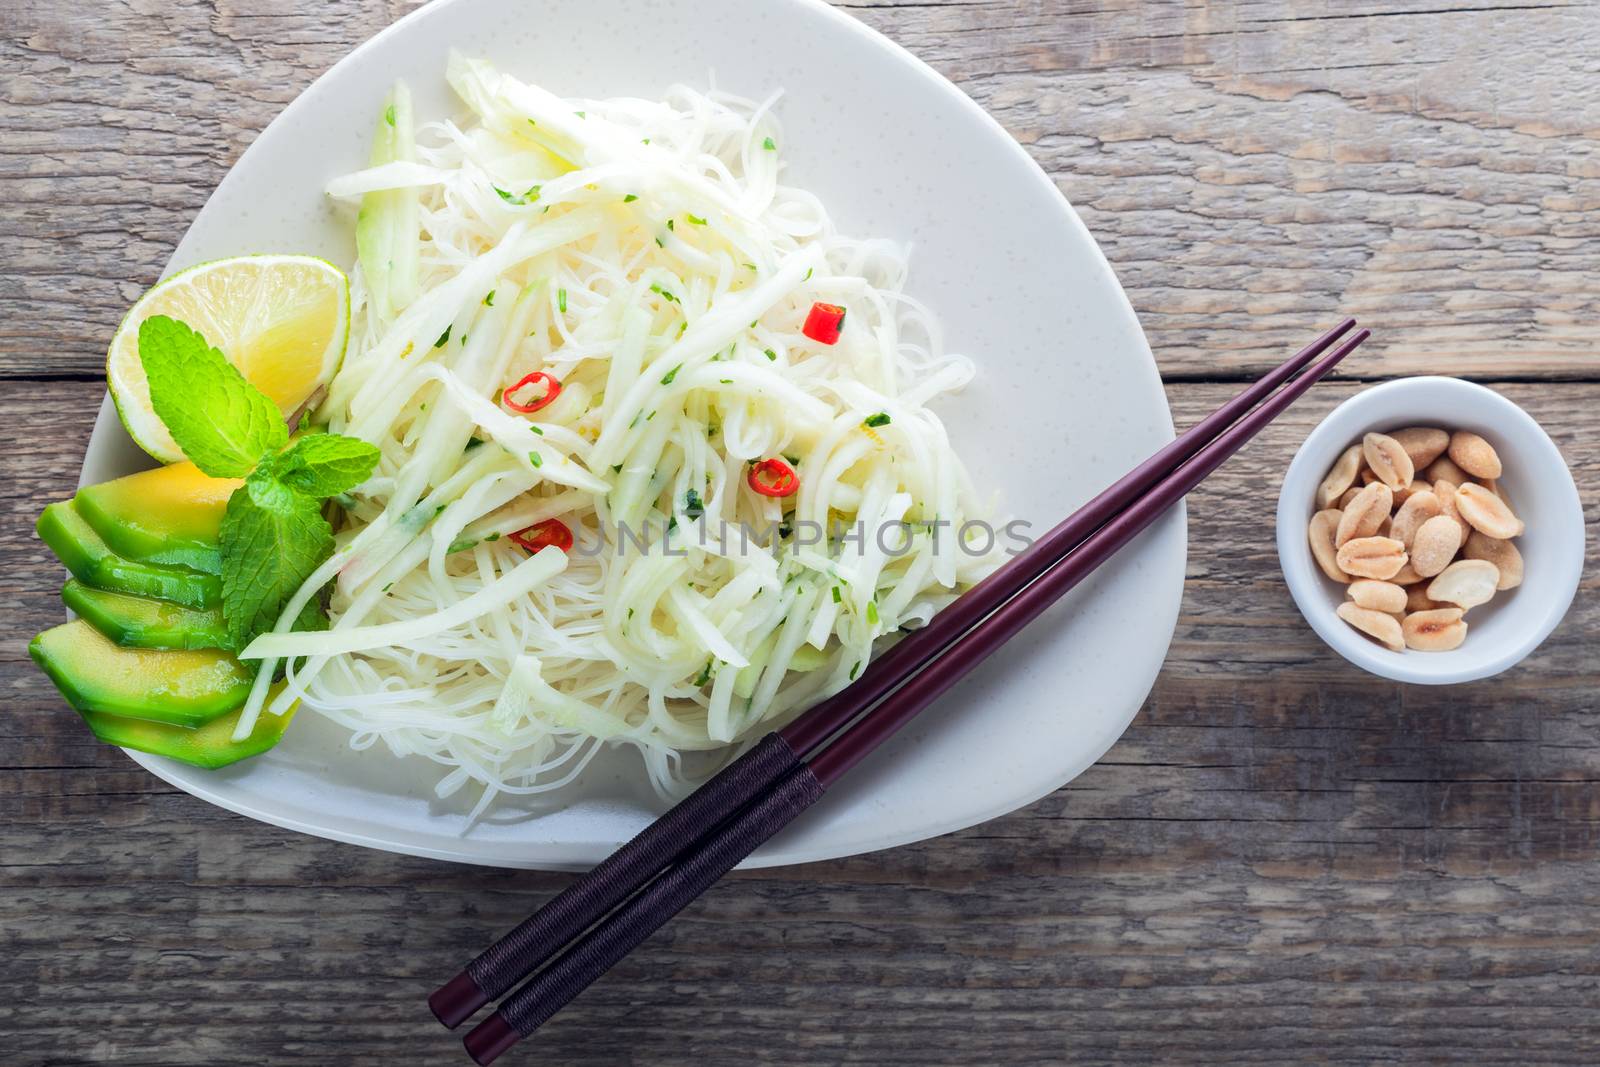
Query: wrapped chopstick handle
[(547, 992), (576, 908)]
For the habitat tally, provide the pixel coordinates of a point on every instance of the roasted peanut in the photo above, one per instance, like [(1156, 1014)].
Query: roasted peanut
[(1365, 513), (1418, 509), (1349, 495), (1388, 460), (1436, 630), (1503, 554), (1401, 496), (1434, 545), (1340, 477), (1474, 455), (1466, 583), (1407, 574), (1379, 596), (1423, 444), (1323, 550), (1371, 557), (1374, 624), (1486, 512), (1445, 490), (1443, 468), (1417, 599)]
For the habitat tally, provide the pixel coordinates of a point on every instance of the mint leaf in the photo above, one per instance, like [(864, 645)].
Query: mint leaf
[(222, 422), (325, 464), (272, 539)]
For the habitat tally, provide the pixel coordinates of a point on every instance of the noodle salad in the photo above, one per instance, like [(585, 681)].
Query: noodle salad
[(658, 466)]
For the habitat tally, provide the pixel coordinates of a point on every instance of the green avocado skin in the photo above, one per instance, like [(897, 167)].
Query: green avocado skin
[(160, 532), (92, 562), (208, 746), (142, 622), (188, 688)]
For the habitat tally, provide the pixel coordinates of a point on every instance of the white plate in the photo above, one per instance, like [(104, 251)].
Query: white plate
[(1067, 397)]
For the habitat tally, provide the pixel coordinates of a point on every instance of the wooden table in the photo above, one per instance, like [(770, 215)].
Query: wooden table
[(1282, 859)]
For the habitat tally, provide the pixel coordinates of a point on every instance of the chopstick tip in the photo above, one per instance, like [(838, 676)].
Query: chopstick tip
[(486, 1041), (454, 1002)]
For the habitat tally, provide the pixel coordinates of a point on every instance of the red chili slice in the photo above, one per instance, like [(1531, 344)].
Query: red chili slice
[(824, 323), (543, 534), (552, 389), (773, 477)]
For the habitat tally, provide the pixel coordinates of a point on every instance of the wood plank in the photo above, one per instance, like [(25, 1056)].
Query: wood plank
[(1251, 170), (1281, 860)]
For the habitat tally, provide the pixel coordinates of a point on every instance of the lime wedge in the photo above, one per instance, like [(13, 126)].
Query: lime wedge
[(282, 320)]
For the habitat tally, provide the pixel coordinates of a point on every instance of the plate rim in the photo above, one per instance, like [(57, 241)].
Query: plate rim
[(573, 856)]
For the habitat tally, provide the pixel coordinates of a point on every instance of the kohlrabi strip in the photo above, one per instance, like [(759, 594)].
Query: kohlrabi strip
[(623, 380)]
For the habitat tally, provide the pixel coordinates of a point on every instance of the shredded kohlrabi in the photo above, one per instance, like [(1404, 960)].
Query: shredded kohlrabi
[(644, 255)]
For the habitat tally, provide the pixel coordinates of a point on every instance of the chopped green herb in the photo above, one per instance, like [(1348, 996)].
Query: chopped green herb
[(444, 338), (809, 271), (511, 198), (693, 506), (666, 379), (488, 301), (880, 419), (837, 596), (794, 461), (872, 612), (630, 198), (670, 226), (771, 355), (724, 381), (493, 537), (644, 140), (616, 468), (705, 674), (581, 114), (855, 670), (536, 459), (660, 243), (561, 300), (664, 294), (388, 587), (695, 219), (388, 114), (536, 429), (769, 144)]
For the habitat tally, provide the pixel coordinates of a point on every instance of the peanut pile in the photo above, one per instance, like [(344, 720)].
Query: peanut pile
[(1395, 513)]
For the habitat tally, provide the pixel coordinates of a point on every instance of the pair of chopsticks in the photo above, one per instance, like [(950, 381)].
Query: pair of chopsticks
[(600, 918)]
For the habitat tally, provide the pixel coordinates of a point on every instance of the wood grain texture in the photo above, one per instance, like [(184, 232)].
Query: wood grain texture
[(1280, 861)]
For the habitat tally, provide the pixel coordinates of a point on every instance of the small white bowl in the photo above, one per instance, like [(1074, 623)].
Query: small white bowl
[(1536, 483)]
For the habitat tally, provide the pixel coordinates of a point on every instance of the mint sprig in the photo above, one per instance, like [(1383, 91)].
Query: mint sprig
[(274, 535), (222, 423)]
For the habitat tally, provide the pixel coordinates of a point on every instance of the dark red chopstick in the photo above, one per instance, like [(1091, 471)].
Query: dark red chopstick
[(711, 857), (511, 958)]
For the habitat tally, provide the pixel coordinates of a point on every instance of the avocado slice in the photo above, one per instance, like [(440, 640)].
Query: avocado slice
[(140, 622), (172, 514), (93, 562), (179, 687), (211, 745)]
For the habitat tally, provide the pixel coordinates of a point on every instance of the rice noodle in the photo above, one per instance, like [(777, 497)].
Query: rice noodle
[(645, 254)]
